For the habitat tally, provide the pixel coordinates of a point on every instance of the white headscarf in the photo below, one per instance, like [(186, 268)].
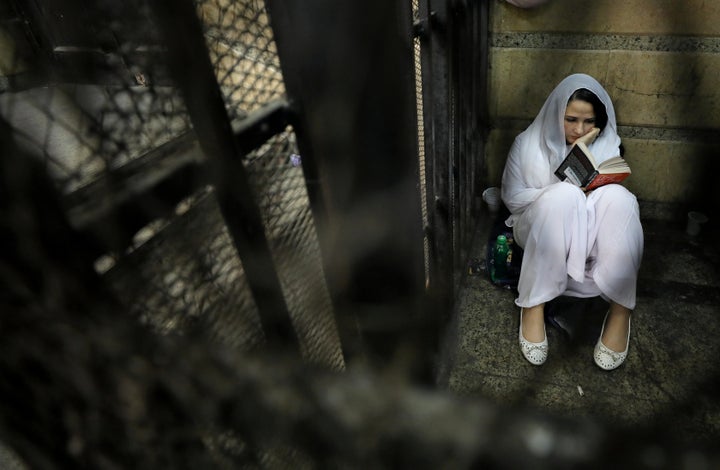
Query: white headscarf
[(538, 151)]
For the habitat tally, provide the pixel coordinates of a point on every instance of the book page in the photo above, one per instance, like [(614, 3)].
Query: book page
[(614, 165)]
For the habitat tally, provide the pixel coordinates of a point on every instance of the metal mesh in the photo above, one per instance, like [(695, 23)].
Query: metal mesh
[(278, 182), (93, 389), (133, 121), (242, 49), (82, 131), (95, 106), (181, 270), (189, 274)]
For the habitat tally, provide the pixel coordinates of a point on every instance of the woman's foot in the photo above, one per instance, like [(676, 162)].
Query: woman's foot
[(533, 323), (613, 344), (532, 335), (617, 326)]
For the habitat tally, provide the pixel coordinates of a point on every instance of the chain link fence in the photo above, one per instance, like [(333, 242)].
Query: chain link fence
[(156, 357), (105, 141), (181, 268)]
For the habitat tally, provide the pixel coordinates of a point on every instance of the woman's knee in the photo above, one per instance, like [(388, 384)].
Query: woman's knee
[(615, 191), (618, 197), (562, 196)]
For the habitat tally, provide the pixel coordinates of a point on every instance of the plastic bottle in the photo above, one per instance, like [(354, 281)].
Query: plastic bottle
[(501, 254)]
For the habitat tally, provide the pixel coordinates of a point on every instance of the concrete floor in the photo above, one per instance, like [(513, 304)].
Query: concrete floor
[(672, 372)]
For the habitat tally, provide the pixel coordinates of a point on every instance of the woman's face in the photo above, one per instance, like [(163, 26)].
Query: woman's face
[(579, 120)]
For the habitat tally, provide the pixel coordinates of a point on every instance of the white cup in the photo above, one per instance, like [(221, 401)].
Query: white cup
[(695, 221), (491, 196)]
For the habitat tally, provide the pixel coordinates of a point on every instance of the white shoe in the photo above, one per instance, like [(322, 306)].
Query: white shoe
[(535, 353), (605, 357)]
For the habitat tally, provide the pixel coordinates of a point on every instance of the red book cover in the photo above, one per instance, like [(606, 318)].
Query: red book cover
[(602, 179)]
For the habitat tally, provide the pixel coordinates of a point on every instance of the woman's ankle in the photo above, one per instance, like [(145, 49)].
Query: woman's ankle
[(533, 323), (616, 327)]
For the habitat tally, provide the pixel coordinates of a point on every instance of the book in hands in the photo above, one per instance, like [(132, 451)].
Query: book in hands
[(580, 169)]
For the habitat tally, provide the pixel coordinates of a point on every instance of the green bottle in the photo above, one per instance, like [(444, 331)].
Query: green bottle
[(500, 258)]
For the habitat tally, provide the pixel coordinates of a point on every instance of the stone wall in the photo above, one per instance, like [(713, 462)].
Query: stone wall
[(658, 59)]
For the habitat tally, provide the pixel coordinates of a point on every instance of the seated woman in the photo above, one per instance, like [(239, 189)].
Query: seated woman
[(576, 243)]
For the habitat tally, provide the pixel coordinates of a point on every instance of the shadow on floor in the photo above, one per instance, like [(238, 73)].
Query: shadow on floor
[(670, 377)]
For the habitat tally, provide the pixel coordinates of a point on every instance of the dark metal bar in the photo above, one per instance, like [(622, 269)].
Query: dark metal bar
[(348, 71), (112, 208), (348, 331), (434, 57), (283, 25), (462, 85), (23, 81), (468, 85), (483, 64), (190, 65), (116, 187), (480, 120), (259, 126), (77, 42), (97, 67)]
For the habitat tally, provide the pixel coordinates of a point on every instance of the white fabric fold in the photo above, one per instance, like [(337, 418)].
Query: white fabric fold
[(570, 248), (537, 152)]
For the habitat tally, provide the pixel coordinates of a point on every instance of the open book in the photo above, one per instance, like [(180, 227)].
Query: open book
[(579, 168)]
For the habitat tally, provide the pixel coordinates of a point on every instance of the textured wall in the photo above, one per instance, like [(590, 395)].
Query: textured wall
[(658, 59)]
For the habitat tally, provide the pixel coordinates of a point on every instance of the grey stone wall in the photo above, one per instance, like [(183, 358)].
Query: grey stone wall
[(659, 60)]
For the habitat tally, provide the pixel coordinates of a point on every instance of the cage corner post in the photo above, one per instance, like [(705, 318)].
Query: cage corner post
[(348, 69)]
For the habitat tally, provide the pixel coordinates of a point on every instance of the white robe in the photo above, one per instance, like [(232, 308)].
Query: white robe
[(574, 244)]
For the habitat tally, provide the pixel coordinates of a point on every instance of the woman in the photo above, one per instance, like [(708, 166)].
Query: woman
[(576, 243)]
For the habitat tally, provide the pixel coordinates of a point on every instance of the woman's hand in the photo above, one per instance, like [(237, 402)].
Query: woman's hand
[(589, 138)]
